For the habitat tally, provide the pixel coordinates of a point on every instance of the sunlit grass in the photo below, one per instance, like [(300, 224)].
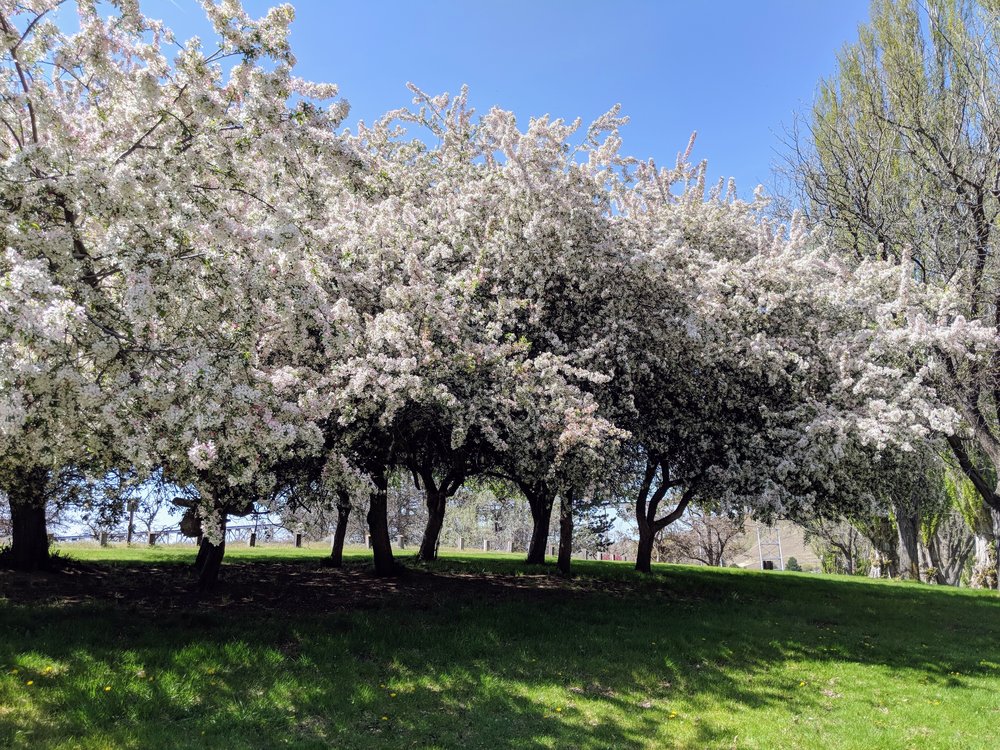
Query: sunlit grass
[(241, 551), (692, 658)]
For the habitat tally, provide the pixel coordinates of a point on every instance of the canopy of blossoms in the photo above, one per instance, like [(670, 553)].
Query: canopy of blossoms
[(201, 277)]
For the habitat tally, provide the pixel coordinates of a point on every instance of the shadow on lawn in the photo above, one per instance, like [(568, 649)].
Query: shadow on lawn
[(463, 655)]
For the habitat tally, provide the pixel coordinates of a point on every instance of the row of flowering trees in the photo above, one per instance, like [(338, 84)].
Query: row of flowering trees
[(203, 280)]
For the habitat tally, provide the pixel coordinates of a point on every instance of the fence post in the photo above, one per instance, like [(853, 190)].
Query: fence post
[(400, 542), (152, 538), (298, 540), (368, 541), (104, 539), (461, 543), (552, 550), (486, 545), (510, 546), (253, 538)]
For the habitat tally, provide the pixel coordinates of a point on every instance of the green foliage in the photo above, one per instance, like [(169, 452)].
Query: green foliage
[(793, 565), (828, 562), (967, 501)]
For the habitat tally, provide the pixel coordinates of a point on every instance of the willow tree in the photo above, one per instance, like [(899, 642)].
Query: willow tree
[(903, 163)]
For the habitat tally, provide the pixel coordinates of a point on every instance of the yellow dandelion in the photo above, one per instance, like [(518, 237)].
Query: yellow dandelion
[(802, 684), (392, 695), (385, 718), (107, 688), (559, 709), (30, 682)]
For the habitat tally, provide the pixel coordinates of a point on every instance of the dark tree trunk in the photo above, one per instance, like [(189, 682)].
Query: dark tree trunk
[(29, 549), (647, 505), (647, 502), (540, 501), (437, 495), (436, 501), (378, 525), (907, 525), (343, 514), (131, 526), (209, 560), (565, 532), (644, 549), (209, 563)]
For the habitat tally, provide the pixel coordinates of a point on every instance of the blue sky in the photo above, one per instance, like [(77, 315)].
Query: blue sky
[(734, 70)]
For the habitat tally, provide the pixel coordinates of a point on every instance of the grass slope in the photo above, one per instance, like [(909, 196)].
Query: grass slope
[(501, 656)]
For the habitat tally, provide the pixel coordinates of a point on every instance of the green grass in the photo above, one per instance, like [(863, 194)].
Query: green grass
[(688, 658), (185, 553)]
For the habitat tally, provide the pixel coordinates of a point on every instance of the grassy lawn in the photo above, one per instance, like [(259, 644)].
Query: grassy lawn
[(478, 651)]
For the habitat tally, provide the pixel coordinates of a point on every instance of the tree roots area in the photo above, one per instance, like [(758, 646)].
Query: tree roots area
[(119, 648)]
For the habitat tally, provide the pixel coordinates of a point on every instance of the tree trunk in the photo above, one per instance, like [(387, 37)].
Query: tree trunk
[(647, 504), (131, 525), (848, 553), (29, 549), (986, 553), (907, 526), (540, 501), (932, 562), (209, 560), (436, 501), (378, 525), (343, 515), (995, 515), (984, 563), (565, 532), (986, 569), (644, 549)]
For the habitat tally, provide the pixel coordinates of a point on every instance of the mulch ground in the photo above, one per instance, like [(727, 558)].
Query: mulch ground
[(284, 587)]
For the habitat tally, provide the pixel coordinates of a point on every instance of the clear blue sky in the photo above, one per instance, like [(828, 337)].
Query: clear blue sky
[(734, 70)]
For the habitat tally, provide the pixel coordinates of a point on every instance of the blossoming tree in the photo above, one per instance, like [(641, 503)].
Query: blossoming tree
[(157, 285)]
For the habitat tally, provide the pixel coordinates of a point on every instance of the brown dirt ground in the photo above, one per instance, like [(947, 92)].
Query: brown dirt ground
[(281, 587)]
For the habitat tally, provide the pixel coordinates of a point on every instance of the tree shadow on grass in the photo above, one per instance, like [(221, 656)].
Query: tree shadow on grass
[(456, 657)]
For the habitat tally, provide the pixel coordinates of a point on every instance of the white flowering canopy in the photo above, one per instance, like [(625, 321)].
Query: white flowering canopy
[(199, 274), (159, 276)]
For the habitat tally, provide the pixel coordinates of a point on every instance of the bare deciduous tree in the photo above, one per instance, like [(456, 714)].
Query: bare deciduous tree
[(705, 537)]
